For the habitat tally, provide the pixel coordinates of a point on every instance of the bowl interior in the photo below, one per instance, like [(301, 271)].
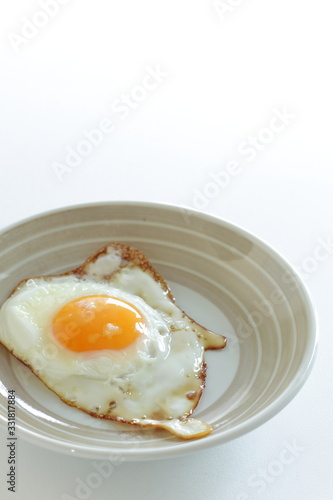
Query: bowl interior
[(224, 278)]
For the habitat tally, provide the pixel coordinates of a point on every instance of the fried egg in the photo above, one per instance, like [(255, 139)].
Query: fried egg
[(109, 339)]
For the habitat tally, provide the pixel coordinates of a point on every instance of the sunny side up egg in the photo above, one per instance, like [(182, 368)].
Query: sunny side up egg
[(109, 339)]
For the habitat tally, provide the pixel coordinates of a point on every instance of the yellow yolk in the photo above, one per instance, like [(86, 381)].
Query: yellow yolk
[(97, 322)]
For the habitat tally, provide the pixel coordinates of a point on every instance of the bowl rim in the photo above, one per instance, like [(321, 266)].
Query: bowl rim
[(238, 430)]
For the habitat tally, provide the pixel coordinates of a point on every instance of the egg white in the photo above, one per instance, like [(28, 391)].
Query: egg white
[(149, 379)]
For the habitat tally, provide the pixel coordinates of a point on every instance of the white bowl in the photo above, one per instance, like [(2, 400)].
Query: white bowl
[(225, 278)]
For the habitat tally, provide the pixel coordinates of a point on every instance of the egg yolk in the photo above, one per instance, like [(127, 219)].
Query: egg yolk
[(97, 322)]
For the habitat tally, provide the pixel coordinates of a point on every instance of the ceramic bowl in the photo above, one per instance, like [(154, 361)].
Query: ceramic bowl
[(222, 276)]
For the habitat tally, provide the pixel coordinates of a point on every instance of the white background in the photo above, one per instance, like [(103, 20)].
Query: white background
[(224, 76)]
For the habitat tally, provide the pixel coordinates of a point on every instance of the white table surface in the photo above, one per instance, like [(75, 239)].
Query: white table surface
[(222, 80)]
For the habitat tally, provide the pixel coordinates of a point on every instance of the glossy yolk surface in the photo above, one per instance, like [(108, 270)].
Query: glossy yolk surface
[(97, 322)]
